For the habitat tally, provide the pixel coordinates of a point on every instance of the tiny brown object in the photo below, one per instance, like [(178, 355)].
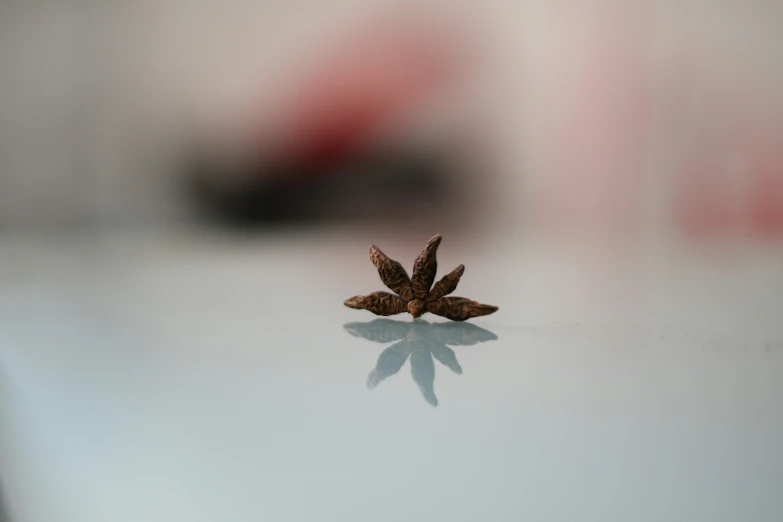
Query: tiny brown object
[(416, 295)]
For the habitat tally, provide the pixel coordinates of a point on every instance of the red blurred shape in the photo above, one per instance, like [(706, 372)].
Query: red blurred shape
[(709, 206), (596, 151), (766, 209), (704, 208), (379, 75)]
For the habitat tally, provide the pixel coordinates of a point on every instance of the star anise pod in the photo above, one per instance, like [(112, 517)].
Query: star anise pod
[(416, 295)]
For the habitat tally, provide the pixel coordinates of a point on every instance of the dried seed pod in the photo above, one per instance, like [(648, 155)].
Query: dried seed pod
[(459, 308), (425, 268), (414, 295), (416, 308), (379, 303), (392, 273), (447, 284)]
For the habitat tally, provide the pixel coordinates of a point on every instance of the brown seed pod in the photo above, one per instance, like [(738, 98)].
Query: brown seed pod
[(416, 294), (392, 274), (425, 268), (447, 284), (459, 308), (379, 303)]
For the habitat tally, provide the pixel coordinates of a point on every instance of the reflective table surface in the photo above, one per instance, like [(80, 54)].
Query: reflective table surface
[(167, 378)]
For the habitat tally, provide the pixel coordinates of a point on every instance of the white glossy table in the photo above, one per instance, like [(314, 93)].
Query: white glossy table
[(172, 377)]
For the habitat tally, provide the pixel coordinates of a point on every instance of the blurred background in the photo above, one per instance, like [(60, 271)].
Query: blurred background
[(640, 119), (188, 190)]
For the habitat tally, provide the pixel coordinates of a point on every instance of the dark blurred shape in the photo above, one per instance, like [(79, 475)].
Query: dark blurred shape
[(380, 187), (421, 341), (337, 136)]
